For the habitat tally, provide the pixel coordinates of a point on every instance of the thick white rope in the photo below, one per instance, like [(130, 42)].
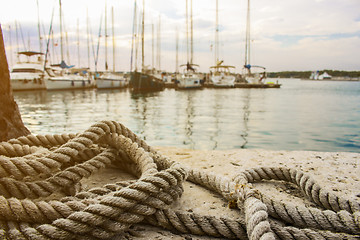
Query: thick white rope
[(35, 168)]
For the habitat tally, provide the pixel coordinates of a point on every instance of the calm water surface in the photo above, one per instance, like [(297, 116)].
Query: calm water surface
[(301, 115)]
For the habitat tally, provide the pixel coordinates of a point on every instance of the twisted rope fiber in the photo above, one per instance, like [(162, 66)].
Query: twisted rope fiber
[(342, 212), (34, 167)]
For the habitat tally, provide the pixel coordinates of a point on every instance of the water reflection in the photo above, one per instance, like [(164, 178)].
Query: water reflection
[(301, 116), (189, 118), (246, 110), (140, 112), (207, 119), (211, 119)]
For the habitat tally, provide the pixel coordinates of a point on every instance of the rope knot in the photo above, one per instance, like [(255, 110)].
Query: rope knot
[(239, 194), (241, 191)]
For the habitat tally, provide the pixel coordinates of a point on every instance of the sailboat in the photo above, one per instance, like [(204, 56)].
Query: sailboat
[(28, 72), (63, 76), (110, 79), (220, 75), (259, 74), (254, 74), (144, 80), (189, 78)]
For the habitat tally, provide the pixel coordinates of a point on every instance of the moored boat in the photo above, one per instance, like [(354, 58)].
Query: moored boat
[(189, 79), (221, 76), (144, 82), (68, 78), (61, 76), (111, 80), (28, 72), (254, 74)]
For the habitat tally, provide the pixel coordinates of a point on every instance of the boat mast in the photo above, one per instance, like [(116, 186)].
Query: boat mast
[(78, 42), (39, 30), (247, 40), (106, 56), (133, 39), (217, 35), (54, 55), (137, 41), (159, 46), (191, 32), (187, 32), (61, 32), (152, 46), (29, 45), (67, 46), (113, 37), (88, 36), (177, 50), (49, 38), (98, 46), (142, 37), (11, 52), (17, 41), (22, 36)]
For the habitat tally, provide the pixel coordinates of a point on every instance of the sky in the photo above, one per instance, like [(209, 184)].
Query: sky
[(286, 35)]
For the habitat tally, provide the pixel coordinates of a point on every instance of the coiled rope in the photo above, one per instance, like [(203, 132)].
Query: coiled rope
[(34, 169)]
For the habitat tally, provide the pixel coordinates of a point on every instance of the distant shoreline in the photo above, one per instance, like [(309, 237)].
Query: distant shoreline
[(335, 74), (333, 79)]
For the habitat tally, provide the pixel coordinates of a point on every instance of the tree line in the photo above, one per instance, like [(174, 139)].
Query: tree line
[(306, 74)]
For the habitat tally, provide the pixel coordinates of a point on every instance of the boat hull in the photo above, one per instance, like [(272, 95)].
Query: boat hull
[(223, 81), (28, 74), (110, 83), (24, 84), (189, 84), (141, 82), (62, 83), (111, 80)]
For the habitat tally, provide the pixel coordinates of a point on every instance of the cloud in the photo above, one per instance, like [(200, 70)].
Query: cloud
[(286, 35), (308, 54), (290, 40)]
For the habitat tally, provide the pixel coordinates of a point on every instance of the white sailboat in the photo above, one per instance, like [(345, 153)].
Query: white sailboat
[(28, 72), (189, 77), (220, 75), (61, 76), (110, 79), (253, 74)]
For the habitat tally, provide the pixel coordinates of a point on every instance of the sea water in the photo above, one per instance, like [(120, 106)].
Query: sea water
[(301, 115)]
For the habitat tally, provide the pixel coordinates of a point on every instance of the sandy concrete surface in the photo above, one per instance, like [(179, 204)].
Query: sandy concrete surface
[(335, 171)]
